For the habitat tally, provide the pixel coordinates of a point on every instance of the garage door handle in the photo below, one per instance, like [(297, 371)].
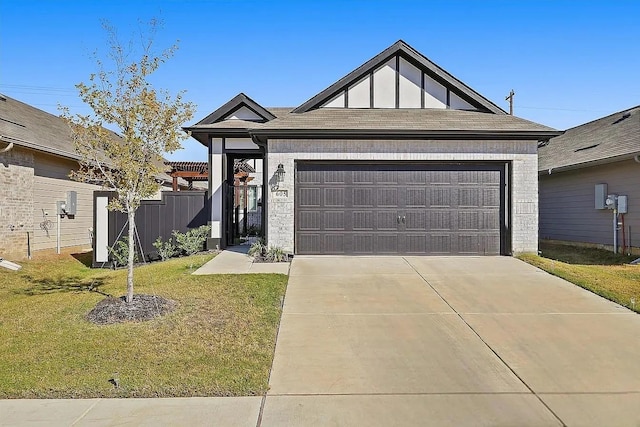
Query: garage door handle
[(399, 219), (403, 219)]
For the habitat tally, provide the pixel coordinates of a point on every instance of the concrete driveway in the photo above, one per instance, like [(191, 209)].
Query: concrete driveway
[(382, 341)]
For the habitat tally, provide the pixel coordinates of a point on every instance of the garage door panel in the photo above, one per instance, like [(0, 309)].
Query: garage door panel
[(440, 220), (387, 244), (416, 197), (491, 197), (387, 220), (360, 176), (439, 244), (469, 197), (335, 177), (310, 220), (363, 197), (469, 220), (334, 197), (416, 220), (398, 208), (309, 197), (416, 243), (387, 197), (440, 197), (363, 220), (334, 220)]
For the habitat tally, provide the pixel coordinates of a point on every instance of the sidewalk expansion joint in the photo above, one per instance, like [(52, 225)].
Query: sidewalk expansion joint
[(84, 414)]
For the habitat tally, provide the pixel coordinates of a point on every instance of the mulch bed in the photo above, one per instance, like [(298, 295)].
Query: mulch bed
[(142, 308)]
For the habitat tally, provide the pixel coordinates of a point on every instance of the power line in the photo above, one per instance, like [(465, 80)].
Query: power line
[(565, 109), (37, 88)]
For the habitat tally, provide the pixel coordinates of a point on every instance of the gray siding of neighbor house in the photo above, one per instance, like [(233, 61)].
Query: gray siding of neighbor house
[(522, 156), (567, 209), (51, 184)]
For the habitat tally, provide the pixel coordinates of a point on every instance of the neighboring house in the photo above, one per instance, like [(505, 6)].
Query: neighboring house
[(397, 157), (604, 151), (36, 157)]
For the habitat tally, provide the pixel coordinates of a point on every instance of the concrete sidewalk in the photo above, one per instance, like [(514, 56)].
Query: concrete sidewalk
[(234, 260), (192, 411)]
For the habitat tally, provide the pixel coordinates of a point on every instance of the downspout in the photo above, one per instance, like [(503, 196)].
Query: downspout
[(7, 148)]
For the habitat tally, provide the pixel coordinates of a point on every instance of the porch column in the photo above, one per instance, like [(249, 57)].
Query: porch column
[(215, 190)]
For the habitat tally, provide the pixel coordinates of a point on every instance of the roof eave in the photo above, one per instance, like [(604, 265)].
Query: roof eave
[(202, 135), (42, 148), (264, 134), (588, 164)]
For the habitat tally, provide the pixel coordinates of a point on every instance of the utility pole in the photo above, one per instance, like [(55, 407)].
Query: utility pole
[(510, 99)]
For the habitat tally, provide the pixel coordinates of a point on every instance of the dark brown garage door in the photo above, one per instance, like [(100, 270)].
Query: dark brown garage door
[(435, 209)]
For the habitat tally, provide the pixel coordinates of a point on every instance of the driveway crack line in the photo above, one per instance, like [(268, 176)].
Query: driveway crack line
[(485, 343)]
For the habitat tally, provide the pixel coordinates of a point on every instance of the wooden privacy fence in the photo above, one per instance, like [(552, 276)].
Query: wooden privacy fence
[(177, 210)]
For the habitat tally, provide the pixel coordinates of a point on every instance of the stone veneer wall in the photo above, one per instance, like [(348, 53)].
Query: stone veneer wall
[(522, 155), (16, 202)]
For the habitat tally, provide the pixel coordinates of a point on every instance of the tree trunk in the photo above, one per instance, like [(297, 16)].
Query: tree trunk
[(132, 252)]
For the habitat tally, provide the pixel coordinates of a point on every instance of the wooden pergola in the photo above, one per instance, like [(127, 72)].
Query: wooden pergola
[(189, 171)]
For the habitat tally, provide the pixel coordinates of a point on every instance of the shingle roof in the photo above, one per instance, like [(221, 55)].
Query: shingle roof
[(280, 111), (30, 127), (607, 139), (411, 119)]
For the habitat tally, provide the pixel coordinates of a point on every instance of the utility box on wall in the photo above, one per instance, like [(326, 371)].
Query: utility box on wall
[(622, 204), (72, 203), (601, 196)]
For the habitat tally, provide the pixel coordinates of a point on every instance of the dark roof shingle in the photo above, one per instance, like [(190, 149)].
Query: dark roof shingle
[(605, 139), (401, 119)]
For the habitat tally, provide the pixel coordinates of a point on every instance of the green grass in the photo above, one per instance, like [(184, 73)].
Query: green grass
[(218, 341), (601, 272)]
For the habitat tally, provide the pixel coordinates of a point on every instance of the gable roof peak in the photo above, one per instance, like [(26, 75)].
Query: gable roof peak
[(409, 53), (233, 105)]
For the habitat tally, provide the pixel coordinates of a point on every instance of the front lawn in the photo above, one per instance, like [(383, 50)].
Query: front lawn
[(601, 272), (217, 342)]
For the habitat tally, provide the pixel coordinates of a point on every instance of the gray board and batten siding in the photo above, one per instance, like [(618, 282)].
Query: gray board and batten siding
[(177, 210), (396, 208)]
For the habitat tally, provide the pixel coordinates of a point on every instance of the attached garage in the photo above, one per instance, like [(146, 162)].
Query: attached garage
[(400, 208)]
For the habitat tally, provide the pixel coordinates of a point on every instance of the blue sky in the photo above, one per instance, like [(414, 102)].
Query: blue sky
[(569, 62)]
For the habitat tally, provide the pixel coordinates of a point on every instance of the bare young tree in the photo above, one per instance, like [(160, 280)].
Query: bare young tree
[(148, 123)]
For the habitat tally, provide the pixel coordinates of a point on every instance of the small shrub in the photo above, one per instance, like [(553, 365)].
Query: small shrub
[(165, 249), (193, 240), (257, 249), (276, 254), (119, 253)]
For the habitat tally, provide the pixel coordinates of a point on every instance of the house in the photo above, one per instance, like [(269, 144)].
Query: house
[(396, 157), (573, 168), (41, 208)]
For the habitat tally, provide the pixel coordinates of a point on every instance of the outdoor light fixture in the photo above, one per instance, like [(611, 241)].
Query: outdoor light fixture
[(280, 173)]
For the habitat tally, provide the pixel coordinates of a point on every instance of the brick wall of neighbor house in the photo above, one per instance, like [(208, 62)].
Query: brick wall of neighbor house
[(522, 154), (51, 184), (567, 203), (16, 202)]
